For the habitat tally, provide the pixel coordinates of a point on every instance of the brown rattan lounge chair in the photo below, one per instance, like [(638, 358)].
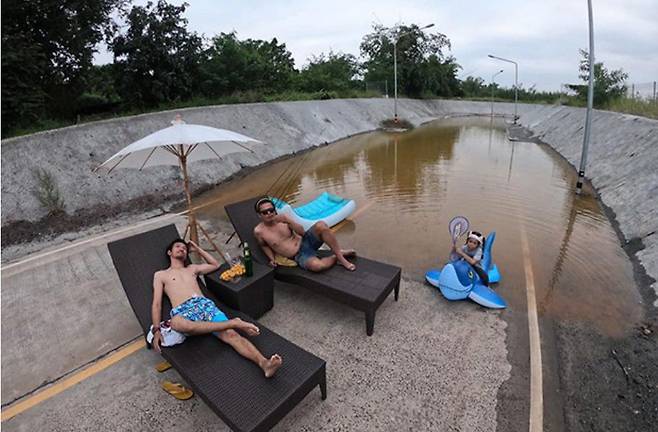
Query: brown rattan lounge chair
[(231, 385), (364, 289)]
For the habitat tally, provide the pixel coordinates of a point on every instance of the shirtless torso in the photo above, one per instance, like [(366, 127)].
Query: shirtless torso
[(279, 237), (179, 284)]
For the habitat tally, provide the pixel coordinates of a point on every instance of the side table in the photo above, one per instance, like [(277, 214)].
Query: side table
[(252, 295)]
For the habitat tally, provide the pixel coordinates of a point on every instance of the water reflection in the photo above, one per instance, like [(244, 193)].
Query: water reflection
[(412, 184)]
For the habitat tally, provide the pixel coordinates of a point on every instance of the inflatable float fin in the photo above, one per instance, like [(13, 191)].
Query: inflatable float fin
[(486, 297)]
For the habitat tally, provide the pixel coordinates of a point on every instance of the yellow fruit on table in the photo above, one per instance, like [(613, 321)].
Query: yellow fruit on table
[(235, 270)]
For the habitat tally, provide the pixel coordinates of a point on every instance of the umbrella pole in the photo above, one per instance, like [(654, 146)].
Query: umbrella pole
[(191, 217)]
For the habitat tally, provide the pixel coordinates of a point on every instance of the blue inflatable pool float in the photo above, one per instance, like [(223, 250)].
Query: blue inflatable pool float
[(327, 207), (457, 280)]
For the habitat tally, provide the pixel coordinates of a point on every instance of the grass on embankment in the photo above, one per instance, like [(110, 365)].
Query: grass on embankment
[(638, 107), (237, 98)]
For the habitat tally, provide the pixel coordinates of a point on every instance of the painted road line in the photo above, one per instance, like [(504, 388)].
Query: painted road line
[(536, 421), (66, 383), (89, 240)]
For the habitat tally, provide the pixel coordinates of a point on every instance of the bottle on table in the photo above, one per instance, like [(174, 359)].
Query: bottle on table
[(248, 261)]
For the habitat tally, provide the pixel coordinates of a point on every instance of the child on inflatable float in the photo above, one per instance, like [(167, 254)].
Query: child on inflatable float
[(471, 252), (462, 277)]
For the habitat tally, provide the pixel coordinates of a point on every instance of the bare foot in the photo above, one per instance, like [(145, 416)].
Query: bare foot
[(272, 365), (348, 252)]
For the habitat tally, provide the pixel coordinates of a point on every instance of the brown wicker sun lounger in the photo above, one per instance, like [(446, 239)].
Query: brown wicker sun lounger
[(231, 385), (364, 289)]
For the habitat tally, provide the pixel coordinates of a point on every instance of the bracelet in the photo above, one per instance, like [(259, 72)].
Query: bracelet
[(156, 329)]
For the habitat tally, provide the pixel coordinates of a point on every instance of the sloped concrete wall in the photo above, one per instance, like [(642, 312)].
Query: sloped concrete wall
[(622, 162), (70, 154)]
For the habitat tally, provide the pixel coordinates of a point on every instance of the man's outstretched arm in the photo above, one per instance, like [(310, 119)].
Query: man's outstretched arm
[(211, 263), (156, 309)]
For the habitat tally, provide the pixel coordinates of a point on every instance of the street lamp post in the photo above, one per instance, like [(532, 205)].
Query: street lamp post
[(396, 37), (590, 101), (492, 90), (516, 80)]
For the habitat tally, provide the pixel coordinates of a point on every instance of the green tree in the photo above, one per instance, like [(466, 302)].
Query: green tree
[(440, 78), (608, 85), (23, 99), (100, 94), (332, 72), (474, 87), (231, 65), (47, 47), (157, 60), (423, 67)]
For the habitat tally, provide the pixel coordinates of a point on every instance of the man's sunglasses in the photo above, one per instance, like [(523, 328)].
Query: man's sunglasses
[(267, 211)]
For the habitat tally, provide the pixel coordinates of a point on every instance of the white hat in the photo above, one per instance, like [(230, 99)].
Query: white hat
[(476, 236)]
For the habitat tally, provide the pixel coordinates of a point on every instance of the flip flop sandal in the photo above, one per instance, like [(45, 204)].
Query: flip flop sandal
[(177, 390), (163, 366)]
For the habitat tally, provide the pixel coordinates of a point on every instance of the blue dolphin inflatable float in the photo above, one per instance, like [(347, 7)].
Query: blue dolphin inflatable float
[(457, 280)]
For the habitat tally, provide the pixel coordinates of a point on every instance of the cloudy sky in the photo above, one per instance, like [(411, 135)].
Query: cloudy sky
[(542, 36)]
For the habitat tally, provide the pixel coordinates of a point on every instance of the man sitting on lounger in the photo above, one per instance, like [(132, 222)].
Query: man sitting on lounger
[(278, 234), (194, 314)]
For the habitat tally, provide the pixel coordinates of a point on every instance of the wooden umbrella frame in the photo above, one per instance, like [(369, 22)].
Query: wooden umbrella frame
[(192, 225), (182, 154)]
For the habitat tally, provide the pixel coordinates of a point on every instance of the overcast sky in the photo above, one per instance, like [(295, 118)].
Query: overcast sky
[(542, 36)]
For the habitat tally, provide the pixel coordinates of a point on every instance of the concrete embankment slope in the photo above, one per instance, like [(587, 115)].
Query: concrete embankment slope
[(623, 157)]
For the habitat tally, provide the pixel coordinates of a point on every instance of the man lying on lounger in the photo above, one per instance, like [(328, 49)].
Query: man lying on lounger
[(278, 234), (194, 314)]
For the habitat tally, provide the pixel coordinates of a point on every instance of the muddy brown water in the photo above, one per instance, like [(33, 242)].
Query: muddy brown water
[(408, 186)]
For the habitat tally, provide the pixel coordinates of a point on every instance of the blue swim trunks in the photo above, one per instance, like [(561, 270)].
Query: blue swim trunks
[(199, 309), (308, 249)]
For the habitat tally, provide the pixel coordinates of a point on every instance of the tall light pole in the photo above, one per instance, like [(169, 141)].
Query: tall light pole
[(396, 37), (590, 101), (492, 89), (516, 80)]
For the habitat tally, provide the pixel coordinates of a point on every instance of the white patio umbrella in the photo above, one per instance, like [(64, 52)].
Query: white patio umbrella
[(177, 145)]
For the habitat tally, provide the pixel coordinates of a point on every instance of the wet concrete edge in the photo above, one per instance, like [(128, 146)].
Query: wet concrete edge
[(605, 383)]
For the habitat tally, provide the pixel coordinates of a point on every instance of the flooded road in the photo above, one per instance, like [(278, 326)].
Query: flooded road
[(408, 186)]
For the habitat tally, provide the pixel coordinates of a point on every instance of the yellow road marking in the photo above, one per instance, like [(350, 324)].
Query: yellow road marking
[(66, 383), (536, 421)]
